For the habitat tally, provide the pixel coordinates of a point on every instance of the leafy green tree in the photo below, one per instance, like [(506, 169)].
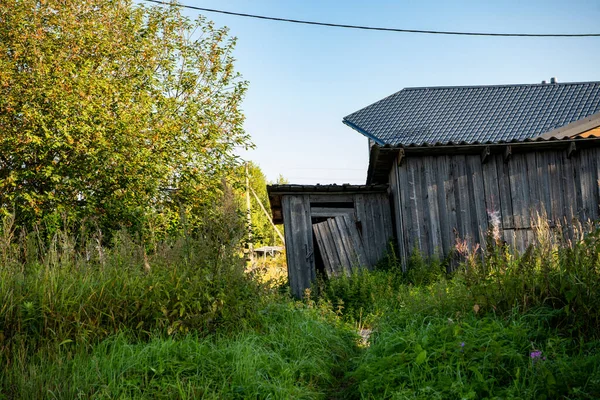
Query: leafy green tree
[(114, 111)]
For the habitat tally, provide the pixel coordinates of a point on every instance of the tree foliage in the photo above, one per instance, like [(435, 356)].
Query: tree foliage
[(114, 111)]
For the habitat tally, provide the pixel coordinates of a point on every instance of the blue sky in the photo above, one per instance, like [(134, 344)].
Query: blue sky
[(305, 79)]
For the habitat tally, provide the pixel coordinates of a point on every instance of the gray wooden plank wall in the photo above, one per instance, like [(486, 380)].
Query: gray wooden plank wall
[(441, 199), (371, 212), (298, 242)]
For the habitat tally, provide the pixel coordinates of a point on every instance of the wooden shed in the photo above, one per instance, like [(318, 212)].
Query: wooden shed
[(446, 193), (331, 228)]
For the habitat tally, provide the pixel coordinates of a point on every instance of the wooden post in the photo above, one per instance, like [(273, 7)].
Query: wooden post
[(249, 218)]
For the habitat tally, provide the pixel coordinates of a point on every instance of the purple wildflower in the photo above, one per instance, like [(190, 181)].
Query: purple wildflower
[(462, 344), (536, 356)]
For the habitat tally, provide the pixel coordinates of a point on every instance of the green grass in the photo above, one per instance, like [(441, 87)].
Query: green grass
[(78, 321), (297, 353)]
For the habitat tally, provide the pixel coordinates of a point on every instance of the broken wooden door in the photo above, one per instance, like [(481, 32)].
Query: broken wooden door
[(341, 245)]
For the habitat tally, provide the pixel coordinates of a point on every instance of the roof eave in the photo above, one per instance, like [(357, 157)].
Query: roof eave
[(363, 132)]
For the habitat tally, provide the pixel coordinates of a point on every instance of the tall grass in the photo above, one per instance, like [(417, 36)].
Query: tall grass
[(298, 353), (58, 290)]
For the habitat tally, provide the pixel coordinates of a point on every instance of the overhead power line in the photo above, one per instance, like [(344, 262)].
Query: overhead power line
[(374, 28)]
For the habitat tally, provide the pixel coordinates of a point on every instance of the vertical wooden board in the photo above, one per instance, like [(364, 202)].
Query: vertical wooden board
[(290, 250), (543, 181), (441, 177), (403, 194), (520, 240), (362, 218), (421, 205), (414, 191), (369, 236), (569, 196), (301, 266), (490, 187), (309, 252), (379, 239), (587, 171), (556, 186), (386, 217), (577, 187), (535, 196), (509, 237), (480, 216), (461, 193), (430, 164), (396, 201), (519, 190), (450, 196), (328, 262), (594, 200), (506, 205), (356, 243), (405, 202), (594, 155)]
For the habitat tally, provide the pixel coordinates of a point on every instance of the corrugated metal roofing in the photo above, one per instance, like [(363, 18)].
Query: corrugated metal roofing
[(469, 114)]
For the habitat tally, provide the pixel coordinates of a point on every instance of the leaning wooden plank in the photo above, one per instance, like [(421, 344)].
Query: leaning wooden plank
[(357, 243), (347, 245), (345, 261), (331, 248), (320, 231)]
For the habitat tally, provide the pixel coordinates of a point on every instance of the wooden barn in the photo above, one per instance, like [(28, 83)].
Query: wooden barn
[(331, 228), (451, 162)]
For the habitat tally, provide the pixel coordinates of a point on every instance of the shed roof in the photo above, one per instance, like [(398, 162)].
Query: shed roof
[(469, 114), (277, 191)]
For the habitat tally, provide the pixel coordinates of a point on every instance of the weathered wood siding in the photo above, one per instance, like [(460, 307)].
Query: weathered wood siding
[(367, 214), (298, 242), (439, 199)]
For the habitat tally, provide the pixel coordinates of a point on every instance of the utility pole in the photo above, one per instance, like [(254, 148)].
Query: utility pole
[(249, 218), (275, 229)]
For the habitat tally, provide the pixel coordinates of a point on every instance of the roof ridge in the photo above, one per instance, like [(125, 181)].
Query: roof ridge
[(497, 86)]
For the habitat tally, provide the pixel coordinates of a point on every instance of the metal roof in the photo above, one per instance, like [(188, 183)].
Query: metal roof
[(469, 114)]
